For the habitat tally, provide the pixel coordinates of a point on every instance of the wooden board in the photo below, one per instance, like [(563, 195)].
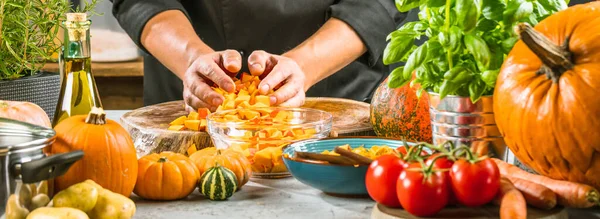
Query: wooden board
[(133, 68), (148, 125), (383, 212)]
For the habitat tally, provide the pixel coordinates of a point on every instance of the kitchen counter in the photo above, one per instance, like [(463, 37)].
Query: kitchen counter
[(271, 198)]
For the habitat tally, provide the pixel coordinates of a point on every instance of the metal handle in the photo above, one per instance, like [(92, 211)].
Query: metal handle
[(47, 167)]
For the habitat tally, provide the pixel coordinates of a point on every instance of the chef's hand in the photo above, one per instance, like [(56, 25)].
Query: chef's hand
[(206, 70), (280, 70)]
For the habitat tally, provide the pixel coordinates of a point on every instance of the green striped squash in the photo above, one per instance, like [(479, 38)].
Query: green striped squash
[(218, 183)]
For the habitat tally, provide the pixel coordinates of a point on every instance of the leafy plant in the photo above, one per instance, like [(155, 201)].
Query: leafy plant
[(27, 32), (467, 42)]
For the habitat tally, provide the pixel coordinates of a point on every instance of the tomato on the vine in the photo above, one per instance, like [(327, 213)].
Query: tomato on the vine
[(440, 163), (422, 191), (403, 150), (474, 182), (381, 179)]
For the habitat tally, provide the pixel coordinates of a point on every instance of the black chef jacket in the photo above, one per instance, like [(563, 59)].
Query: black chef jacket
[(275, 26)]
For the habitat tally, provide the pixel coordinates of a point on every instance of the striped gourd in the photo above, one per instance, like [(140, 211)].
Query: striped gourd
[(218, 183)]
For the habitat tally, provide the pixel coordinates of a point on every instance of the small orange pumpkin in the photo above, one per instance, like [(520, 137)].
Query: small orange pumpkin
[(24, 112), (109, 155), (546, 98), (228, 158), (166, 176)]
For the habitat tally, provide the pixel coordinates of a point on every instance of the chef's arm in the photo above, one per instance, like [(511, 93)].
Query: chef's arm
[(336, 42), (356, 28), (161, 28)]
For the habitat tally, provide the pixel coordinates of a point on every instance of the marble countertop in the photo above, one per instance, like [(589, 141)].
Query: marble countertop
[(271, 198)]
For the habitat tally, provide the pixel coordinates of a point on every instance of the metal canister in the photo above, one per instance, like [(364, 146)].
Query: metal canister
[(26, 169), (458, 120)]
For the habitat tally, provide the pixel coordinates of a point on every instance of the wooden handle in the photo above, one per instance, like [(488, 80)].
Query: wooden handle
[(354, 156), (333, 159)]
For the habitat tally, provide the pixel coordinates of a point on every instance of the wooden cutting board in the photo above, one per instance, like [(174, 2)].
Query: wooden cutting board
[(148, 125), (383, 212)]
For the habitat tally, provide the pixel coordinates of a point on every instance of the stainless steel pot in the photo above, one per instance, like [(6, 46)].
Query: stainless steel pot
[(26, 169), (459, 120)]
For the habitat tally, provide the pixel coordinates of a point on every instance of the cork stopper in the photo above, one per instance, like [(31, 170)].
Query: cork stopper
[(76, 17)]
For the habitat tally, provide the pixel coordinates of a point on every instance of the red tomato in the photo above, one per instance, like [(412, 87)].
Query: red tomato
[(403, 150), (474, 184), (381, 179), (422, 197), (440, 163)]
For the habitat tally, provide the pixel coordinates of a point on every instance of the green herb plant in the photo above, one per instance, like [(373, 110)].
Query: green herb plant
[(27, 32), (467, 43)]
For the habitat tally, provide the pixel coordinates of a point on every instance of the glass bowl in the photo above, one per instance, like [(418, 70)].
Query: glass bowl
[(261, 133)]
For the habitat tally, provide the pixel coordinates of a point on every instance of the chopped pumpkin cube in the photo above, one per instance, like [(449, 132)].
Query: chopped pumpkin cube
[(203, 113), (192, 124), (192, 149), (176, 128), (246, 77), (192, 116), (178, 121), (265, 100)]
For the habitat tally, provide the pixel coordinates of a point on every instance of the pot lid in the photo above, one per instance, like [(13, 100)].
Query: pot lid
[(15, 135)]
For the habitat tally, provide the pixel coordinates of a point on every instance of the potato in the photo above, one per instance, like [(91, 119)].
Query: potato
[(57, 213), (111, 205), (82, 196), (14, 210), (42, 188), (40, 200), (24, 195)]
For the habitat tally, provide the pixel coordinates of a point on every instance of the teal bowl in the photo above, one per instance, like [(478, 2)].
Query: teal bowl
[(334, 179)]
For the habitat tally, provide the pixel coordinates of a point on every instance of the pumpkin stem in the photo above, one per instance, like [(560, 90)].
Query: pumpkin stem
[(162, 159), (556, 59), (96, 116)]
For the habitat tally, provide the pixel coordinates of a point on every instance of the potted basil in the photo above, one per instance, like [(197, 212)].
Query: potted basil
[(458, 64), (28, 39)]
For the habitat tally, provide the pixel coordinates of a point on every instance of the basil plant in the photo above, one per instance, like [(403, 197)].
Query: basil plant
[(467, 43)]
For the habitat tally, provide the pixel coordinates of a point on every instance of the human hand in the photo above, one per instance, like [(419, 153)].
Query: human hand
[(282, 71), (206, 70)]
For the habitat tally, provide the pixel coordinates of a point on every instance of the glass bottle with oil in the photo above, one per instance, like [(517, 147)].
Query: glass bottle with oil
[(78, 93)]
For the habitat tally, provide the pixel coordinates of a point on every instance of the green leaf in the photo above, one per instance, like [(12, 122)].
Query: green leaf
[(554, 5), (489, 77), (509, 43), (539, 10), (467, 12), (452, 39), (397, 79), (476, 89), (436, 21), (447, 88), (406, 5), (416, 58), (458, 75), (479, 49), (397, 49), (492, 9), (485, 25), (497, 57), (523, 12), (511, 8), (420, 27), (436, 3)]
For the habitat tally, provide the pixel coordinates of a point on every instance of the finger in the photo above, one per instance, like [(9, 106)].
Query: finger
[(203, 92), (285, 93), (279, 74), (295, 101), (258, 61), (213, 72), (192, 102), (231, 61)]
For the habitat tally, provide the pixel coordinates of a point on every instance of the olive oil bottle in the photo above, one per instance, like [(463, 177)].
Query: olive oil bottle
[(78, 92)]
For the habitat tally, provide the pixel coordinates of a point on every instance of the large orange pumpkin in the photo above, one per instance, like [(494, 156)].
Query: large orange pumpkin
[(166, 176), (109, 155), (547, 103), (228, 158), (24, 112), (399, 112)]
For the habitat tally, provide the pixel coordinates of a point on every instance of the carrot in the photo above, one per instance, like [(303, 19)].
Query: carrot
[(568, 194), (511, 201), (535, 194)]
